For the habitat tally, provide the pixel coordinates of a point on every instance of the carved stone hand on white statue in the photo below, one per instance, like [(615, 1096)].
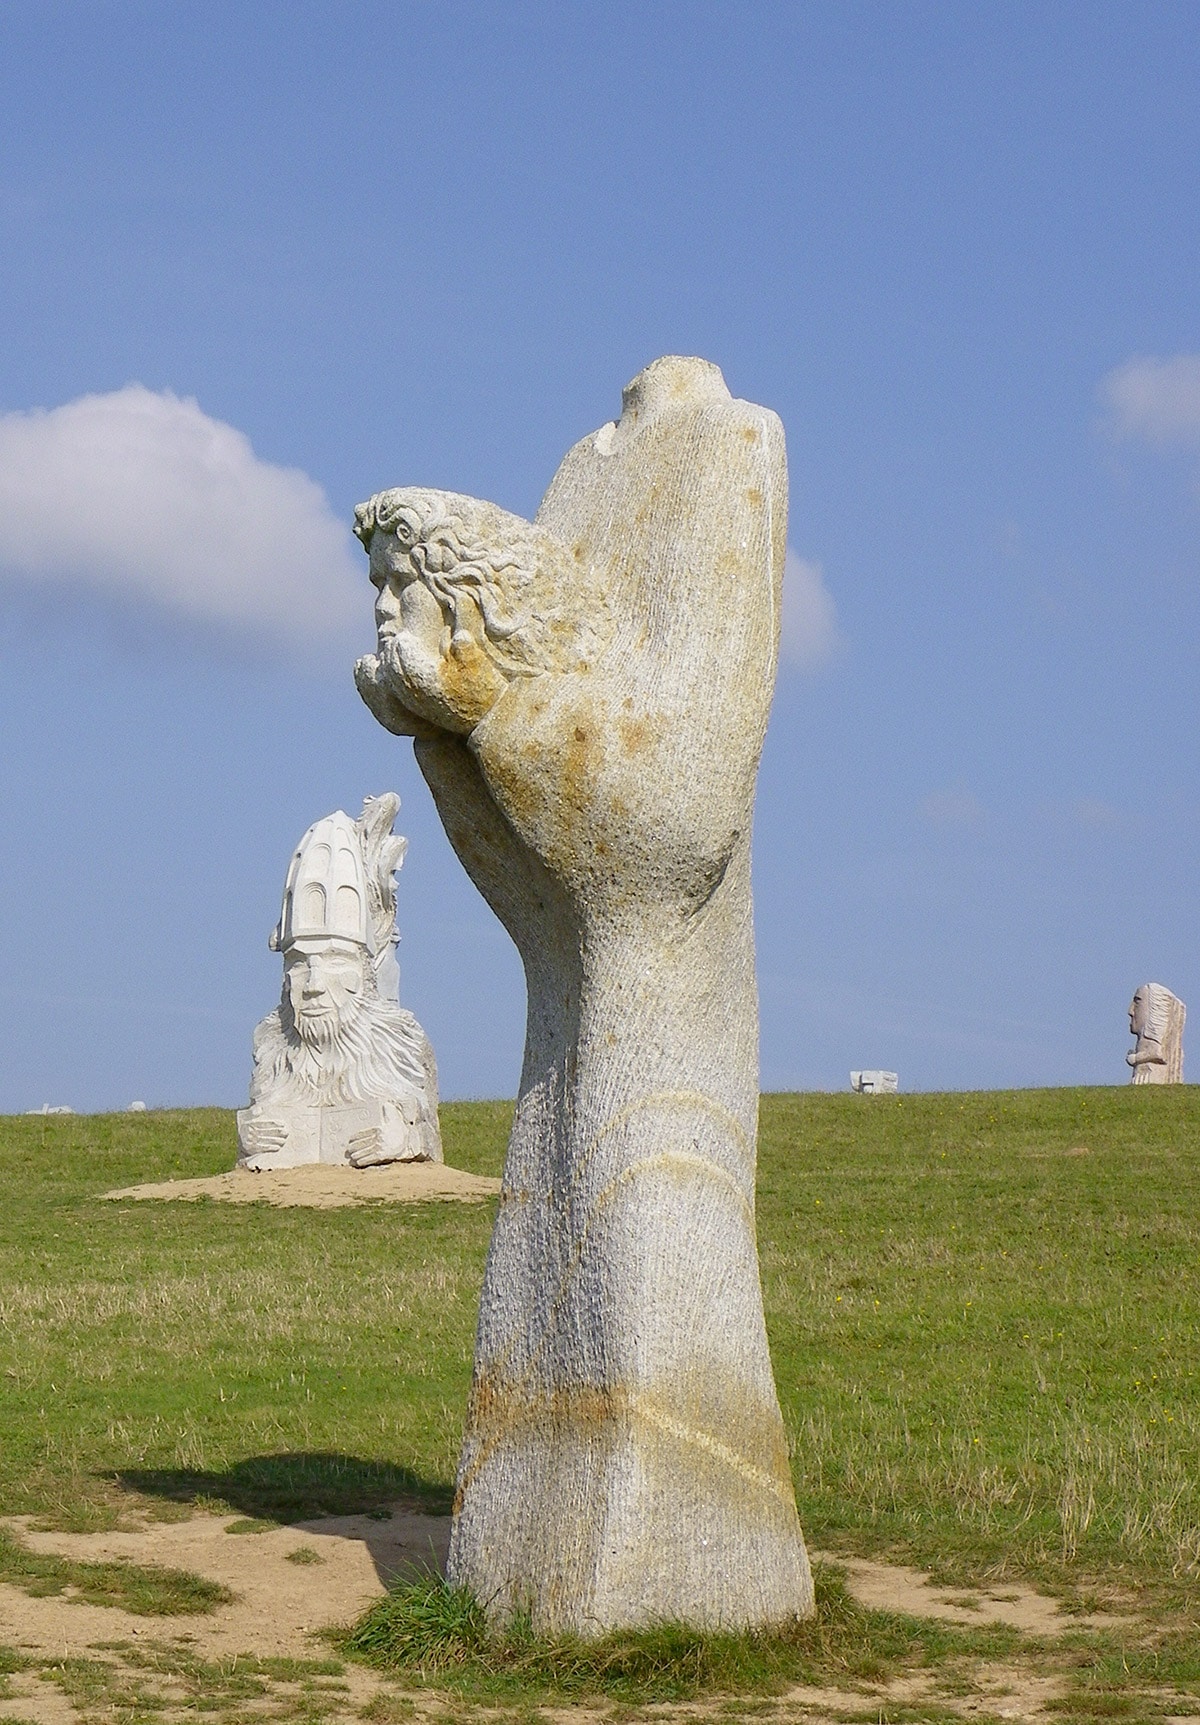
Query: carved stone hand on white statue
[(365, 1149), (588, 696), (261, 1135), (397, 1138)]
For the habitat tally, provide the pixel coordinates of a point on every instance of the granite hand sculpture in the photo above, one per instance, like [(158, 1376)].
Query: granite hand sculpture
[(342, 1073), (588, 696), (1156, 1018)]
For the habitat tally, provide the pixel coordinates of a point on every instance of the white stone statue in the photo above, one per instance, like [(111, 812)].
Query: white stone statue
[(342, 1073), (1156, 1018), (875, 1083), (588, 695)]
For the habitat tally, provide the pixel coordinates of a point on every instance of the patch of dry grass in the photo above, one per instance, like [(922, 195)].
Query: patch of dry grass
[(986, 1346)]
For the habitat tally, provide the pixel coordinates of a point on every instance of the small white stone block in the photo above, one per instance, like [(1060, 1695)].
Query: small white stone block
[(874, 1083)]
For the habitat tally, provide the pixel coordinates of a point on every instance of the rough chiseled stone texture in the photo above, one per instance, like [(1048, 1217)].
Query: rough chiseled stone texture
[(1156, 1018), (588, 696)]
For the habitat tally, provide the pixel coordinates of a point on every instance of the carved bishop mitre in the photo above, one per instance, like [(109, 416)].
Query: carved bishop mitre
[(325, 895)]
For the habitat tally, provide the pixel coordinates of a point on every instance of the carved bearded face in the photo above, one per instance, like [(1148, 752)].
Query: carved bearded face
[(324, 982), (438, 664), (469, 598)]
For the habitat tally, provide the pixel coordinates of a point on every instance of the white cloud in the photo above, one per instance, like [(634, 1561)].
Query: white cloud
[(808, 635), (141, 496), (1156, 399)]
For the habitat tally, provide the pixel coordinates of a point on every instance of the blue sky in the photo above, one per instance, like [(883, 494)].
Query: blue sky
[(342, 247)]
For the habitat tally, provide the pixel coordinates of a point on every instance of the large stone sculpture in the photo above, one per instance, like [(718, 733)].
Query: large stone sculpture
[(588, 695), (342, 1073), (1156, 1018)]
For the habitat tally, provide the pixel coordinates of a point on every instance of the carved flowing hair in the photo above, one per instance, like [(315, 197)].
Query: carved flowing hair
[(1162, 1012), (514, 574), (383, 853)]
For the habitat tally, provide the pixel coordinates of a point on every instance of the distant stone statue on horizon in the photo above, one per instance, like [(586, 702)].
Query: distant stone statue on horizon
[(342, 1073), (874, 1083), (1156, 1018)]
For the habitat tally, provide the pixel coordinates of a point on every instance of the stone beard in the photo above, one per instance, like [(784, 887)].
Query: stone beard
[(375, 1050)]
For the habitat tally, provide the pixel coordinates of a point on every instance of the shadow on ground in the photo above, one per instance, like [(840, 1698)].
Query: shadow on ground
[(294, 1486)]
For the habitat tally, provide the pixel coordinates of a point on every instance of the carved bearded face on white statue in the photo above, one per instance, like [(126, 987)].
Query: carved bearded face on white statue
[(339, 1034), (325, 986)]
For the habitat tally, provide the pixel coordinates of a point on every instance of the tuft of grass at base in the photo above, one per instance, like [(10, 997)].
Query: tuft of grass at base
[(432, 1632), (143, 1589)]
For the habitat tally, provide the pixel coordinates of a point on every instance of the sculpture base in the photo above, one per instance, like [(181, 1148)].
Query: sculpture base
[(612, 1512), (328, 1133)]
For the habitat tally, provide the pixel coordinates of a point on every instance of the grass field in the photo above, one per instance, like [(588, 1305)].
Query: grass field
[(984, 1314)]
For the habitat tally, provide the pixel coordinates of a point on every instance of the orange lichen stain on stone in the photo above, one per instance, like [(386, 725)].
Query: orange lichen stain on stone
[(754, 496), (578, 767), (751, 433), (713, 1439), (500, 1410), (511, 784), (636, 734), (470, 682)]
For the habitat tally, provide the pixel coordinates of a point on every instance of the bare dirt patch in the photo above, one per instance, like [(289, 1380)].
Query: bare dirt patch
[(320, 1186), (893, 1587), (292, 1582), (280, 1603), (34, 1699), (281, 1606)]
